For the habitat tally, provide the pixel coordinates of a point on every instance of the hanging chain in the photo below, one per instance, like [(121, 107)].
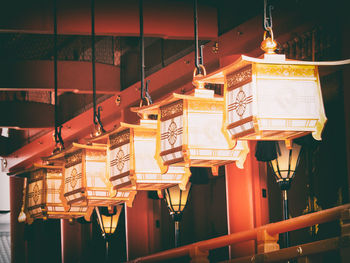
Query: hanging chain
[(97, 113), (267, 16), (195, 22), (58, 128), (198, 56), (145, 96)]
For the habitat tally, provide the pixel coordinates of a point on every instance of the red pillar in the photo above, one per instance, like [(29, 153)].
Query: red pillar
[(18, 245), (142, 234), (73, 241), (247, 208)]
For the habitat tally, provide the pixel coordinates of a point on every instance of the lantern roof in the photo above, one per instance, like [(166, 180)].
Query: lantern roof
[(33, 167), (217, 76), (198, 94), (143, 125), (76, 146)]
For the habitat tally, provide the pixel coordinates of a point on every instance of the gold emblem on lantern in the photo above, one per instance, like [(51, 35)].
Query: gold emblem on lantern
[(36, 193), (120, 160), (240, 103), (172, 133), (73, 178)]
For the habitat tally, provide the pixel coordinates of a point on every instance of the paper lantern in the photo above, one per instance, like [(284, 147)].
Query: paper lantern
[(43, 195), (86, 177), (131, 151), (271, 98), (189, 131)]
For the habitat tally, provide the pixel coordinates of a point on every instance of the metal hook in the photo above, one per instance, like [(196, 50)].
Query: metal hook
[(147, 95), (98, 118)]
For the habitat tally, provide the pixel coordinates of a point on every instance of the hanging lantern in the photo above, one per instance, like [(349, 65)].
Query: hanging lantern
[(131, 151), (189, 131), (272, 98), (43, 195), (86, 177)]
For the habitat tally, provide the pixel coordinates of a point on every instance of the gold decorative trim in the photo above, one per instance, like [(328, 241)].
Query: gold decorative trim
[(239, 78), (73, 158), (285, 71), (36, 175), (171, 110), (119, 139)]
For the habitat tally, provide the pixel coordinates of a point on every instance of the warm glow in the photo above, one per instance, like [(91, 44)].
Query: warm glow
[(287, 160), (270, 98), (176, 198), (189, 132), (86, 177), (132, 163), (110, 223), (42, 195)]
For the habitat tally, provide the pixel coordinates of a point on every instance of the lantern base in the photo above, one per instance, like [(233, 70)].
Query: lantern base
[(177, 217), (284, 185)]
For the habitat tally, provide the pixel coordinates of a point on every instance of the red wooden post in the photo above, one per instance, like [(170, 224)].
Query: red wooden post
[(246, 206), (18, 242), (142, 235)]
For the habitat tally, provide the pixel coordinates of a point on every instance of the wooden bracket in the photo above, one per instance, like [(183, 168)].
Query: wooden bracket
[(345, 233), (199, 256), (266, 242)]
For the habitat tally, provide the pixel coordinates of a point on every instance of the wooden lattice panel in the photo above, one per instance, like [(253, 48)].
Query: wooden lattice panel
[(44, 194), (171, 130), (189, 132), (86, 176), (119, 155), (137, 168)]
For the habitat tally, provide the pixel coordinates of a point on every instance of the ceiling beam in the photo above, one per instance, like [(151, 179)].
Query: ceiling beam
[(162, 18), (177, 77), (73, 76)]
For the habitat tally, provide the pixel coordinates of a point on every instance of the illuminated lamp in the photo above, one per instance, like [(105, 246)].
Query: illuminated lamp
[(176, 200), (42, 195), (189, 132), (284, 167), (271, 98), (131, 150), (86, 177), (108, 224)]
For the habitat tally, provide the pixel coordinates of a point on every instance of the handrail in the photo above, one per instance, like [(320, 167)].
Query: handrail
[(273, 228), (303, 250)]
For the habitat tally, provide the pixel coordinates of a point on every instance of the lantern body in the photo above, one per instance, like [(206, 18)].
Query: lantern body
[(109, 223), (270, 99), (86, 177), (132, 163), (177, 198), (189, 132), (43, 195), (287, 160)]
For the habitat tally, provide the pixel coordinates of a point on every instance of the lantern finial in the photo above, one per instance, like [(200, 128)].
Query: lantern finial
[(269, 45)]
